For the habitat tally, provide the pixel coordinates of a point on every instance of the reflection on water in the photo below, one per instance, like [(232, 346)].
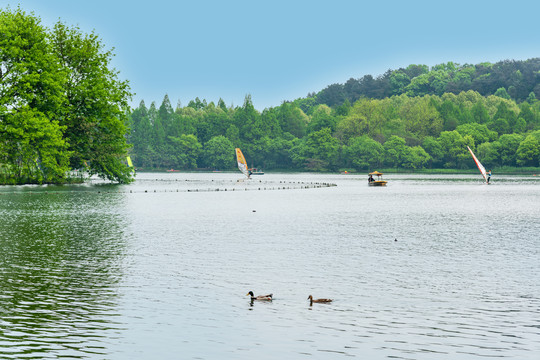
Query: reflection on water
[(124, 273), (61, 260)]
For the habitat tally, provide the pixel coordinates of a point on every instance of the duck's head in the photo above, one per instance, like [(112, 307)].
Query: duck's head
[(310, 297), (250, 293)]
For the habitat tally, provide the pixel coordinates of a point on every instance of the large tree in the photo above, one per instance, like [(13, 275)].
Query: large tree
[(96, 107), (528, 152), (219, 153), (62, 106), (364, 153), (32, 149)]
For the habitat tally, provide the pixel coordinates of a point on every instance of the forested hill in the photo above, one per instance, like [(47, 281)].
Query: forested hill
[(411, 118), (511, 79)]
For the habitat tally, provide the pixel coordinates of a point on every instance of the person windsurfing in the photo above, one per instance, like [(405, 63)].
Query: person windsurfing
[(488, 176)]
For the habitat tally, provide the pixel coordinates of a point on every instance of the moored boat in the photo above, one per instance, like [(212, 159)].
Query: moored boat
[(255, 171)]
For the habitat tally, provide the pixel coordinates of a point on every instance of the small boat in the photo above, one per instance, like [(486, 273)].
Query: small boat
[(378, 182), (255, 171), (172, 170)]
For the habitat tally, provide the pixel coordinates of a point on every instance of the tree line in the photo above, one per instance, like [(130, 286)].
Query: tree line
[(64, 111), (62, 107), (510, 79), (401, 131)]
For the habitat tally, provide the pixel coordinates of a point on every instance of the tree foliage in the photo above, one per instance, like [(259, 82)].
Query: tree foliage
[(509, 79), (62, 107), (398, 132), (32, 147)]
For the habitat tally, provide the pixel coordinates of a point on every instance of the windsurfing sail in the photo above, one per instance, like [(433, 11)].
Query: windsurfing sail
[(479, 164), (242, 164), (130, 164)]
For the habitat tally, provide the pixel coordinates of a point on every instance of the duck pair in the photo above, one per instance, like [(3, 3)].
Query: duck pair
[(269, 298)]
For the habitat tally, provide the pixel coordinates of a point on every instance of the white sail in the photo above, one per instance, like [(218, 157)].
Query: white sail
[(479, 164)]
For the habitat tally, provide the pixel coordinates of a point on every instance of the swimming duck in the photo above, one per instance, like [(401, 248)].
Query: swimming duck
[(260, 297), (312, 300)]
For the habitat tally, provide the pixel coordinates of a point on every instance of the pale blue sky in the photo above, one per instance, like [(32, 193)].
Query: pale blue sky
[(283, 49)]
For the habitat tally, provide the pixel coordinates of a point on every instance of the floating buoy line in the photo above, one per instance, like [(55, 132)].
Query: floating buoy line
[(237, 186)]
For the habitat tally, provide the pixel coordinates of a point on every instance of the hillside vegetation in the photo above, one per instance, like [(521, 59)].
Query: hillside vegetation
[(412, 118), (65, 113)]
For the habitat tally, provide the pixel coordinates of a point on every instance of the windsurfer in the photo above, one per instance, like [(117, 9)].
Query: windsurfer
[(242, 165), (488, 176)]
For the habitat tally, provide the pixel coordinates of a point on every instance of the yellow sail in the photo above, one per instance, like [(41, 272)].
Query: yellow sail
[(130, 164), (242, 164)]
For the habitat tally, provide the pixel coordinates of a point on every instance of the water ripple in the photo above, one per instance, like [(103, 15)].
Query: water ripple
[(120, 275)]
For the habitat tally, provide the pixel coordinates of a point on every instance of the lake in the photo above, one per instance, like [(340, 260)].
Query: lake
[(429, 267)]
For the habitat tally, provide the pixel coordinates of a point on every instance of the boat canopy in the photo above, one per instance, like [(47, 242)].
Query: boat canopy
[(376, 173)]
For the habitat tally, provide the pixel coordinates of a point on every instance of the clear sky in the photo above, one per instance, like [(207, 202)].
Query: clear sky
[(280, 50)]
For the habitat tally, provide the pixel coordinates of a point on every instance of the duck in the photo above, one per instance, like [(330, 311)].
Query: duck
[(260, 297), (312, 300)]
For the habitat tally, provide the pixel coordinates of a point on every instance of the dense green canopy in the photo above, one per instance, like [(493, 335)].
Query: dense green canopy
[(62, 107), (508, 79), (401, 131)]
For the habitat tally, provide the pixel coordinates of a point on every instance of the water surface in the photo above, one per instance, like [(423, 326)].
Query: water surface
[(160, 268)]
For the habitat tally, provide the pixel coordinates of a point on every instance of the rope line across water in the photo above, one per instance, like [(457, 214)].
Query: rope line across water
[(282, 186)]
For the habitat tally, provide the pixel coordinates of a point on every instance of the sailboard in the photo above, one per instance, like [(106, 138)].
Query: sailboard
[(479, 164), (130, 164), (242, 164)]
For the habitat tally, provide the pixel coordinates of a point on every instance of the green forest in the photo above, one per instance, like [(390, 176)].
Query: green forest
[(65, 115), (411, 119)]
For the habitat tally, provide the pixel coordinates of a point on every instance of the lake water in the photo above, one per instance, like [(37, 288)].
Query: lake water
[(159, 269)]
